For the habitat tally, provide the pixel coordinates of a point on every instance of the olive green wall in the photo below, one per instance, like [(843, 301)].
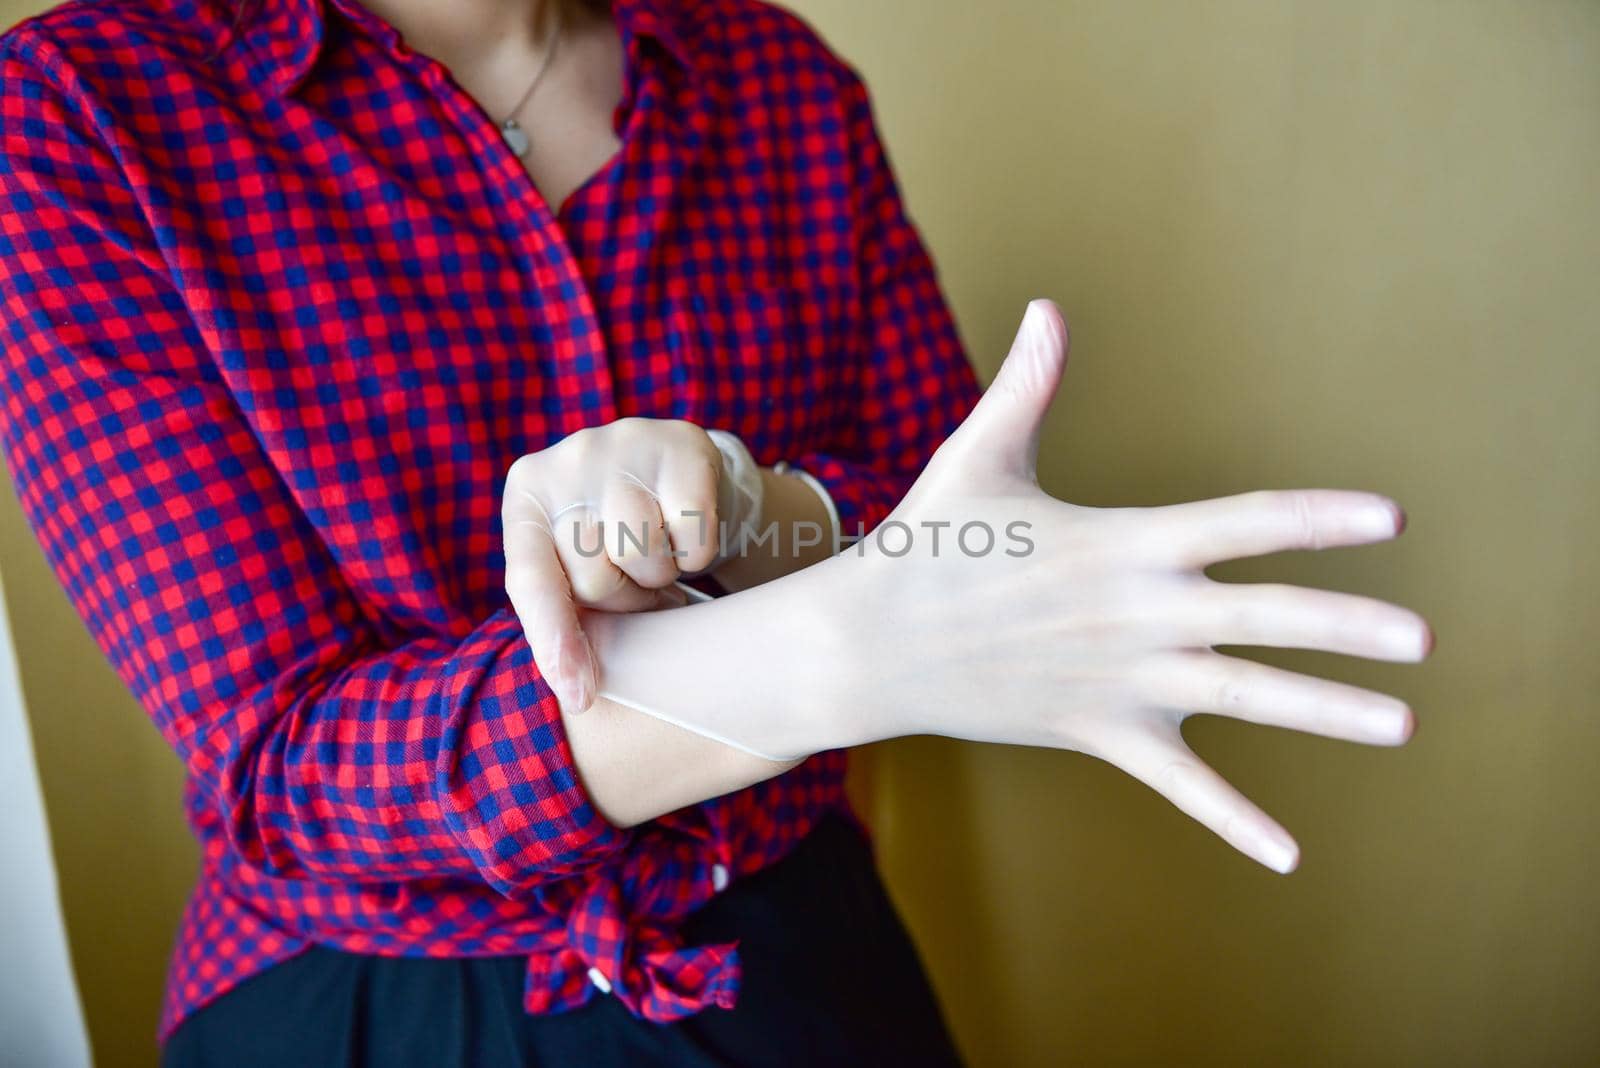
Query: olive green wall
[(1333, 242)]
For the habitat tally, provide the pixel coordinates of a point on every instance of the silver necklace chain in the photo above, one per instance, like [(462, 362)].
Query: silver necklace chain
[(514, 134)]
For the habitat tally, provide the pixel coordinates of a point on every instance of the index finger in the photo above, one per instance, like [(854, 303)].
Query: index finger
[(542, 598), (1200, 533)]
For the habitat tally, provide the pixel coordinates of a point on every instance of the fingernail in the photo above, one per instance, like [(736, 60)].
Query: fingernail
[(586, 688), (1405, 725), (1405, 641), (1378, 521), (577, 669), (1268, 848), (565, 678), (1281, 857), (548, 663)]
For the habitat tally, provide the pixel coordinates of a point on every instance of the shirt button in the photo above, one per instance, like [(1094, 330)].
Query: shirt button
[(719, 878), (598, 978)]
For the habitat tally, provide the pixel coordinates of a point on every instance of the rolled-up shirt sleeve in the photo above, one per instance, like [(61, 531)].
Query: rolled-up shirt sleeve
[(329, 750), (911, 383)]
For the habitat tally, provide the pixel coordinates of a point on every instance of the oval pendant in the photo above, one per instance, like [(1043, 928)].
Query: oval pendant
[(515, 136)]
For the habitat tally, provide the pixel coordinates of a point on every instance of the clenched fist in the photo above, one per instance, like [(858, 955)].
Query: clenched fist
[(606, 518)]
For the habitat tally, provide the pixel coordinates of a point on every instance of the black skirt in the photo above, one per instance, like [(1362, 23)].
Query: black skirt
[(830, 977)]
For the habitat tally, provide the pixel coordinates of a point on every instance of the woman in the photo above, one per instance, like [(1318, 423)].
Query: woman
[(302, 299)]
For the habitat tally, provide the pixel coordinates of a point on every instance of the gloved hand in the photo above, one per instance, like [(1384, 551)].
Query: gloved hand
[(983, 608), (1099, 638), (608, 518)]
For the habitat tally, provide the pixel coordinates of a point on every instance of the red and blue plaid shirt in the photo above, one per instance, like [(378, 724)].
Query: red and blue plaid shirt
[(277, 321)]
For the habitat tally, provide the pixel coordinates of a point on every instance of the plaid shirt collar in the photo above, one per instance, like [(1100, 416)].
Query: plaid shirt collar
[(284, 37)]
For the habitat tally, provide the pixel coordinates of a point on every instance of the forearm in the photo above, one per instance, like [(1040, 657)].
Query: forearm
[(636, 767)]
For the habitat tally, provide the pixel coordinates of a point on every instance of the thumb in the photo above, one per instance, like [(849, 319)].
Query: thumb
[(541, 597), (1004, 426)]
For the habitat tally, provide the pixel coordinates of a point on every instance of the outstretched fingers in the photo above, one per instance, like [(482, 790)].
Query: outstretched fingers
[(1161, 760), (1200, 533), (1297, 617), (1203, 681)]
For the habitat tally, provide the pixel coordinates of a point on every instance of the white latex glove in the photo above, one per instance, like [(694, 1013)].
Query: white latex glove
[(1097, 640), (595, 521)]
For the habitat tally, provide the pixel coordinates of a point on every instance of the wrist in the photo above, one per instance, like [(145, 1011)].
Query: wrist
[(830, 684), (773, 670)]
